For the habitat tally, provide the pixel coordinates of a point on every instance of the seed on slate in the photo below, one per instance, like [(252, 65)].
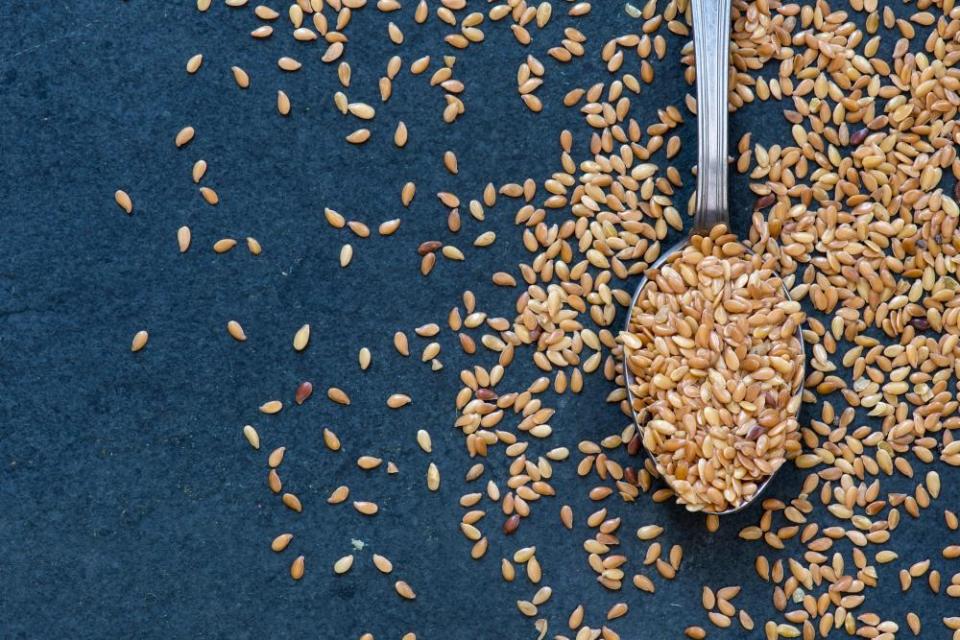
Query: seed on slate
[(366, 508), (273, 481), (209, 196), (423, 439), (346, 255), (253, 246), (359, 229), (404, 590), (331, 440), (389, 227), (368, 462), (184, 136), (450, 162), (407, 193), (361, 110), (398, 400), (359, 136), (395, 34), (271, 407), (433, 477), (428, 247), (542, 595), (288, 64), (617, 611), (301, 338), (401, 344), (382, 564), (123, 201), (364, 358), (649, 532), (194, 63), (240, 77), (283, 103), (281, 542), (334, 219), (695, 633), (304, 391), (262, 32), (252, 436), (400, 135), (566, 516), (223, 245), (338, 395), (276, 457), (297, 568), (292, 502), (339, 495), (236, 331), (511, 524), (343, 565), (199, 170), (139, 341)]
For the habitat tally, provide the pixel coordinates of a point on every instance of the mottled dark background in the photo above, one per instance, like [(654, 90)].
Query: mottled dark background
[(129, 504)]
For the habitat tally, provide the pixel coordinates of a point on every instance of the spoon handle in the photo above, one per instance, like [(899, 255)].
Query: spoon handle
[(711, 43)]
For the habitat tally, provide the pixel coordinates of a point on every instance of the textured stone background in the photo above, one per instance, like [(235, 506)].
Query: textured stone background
[(131, 507)]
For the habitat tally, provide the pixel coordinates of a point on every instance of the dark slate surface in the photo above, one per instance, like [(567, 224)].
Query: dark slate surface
[(131, 506)]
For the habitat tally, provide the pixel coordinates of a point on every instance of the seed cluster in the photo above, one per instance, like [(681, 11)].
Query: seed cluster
[(717, 368), (852, 212)]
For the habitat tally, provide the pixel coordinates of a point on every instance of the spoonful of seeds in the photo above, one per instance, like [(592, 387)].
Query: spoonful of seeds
[(713, 350)]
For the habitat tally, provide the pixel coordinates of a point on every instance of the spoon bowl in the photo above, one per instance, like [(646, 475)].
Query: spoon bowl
[(711, 38), (636, 404)]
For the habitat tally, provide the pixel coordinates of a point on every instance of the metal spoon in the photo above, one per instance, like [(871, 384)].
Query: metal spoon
[(711, 41)]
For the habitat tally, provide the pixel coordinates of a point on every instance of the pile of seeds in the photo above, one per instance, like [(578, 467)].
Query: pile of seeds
[(851, 210), (716, 370)]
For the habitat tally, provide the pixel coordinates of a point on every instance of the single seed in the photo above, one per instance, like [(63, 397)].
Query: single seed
[(271, 407), (338, 395), (253, 438), (124, 201), (359, 136), (398, 400), (404, 590), (424, 441), (240, 77), (224, 245), (292, 502), (236, 331), (330, 440), (281, 542), (382, 564), (346, 255), (297, 568), (301, 338), (366, 508), (338, 495), (276, 457), (194, 63), (304, 391), (342, 565), (139, 341), (184, 136), (283, 103), (199, 170), (433, 477)]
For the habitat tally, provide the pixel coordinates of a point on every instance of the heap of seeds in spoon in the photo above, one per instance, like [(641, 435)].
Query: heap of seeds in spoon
[(717, 368), (854, 210)]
